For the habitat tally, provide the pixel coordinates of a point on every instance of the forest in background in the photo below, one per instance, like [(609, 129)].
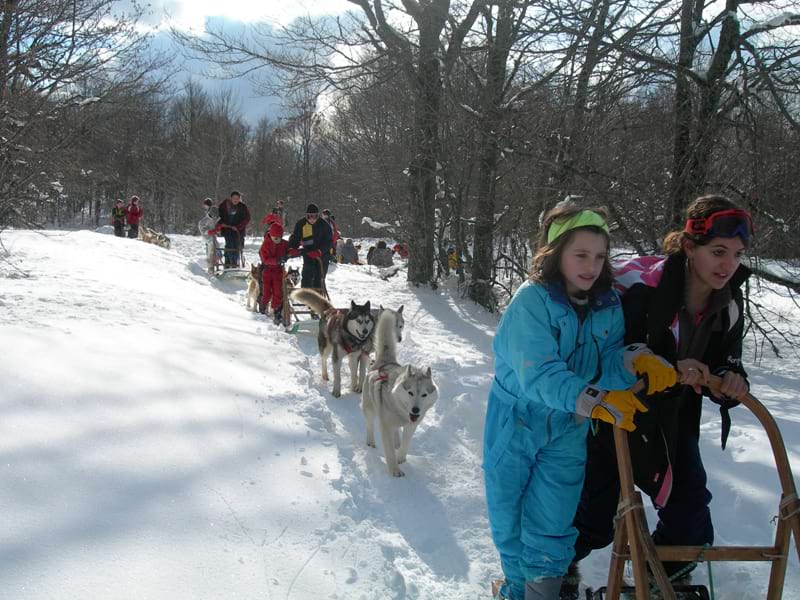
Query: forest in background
[(458, 122)]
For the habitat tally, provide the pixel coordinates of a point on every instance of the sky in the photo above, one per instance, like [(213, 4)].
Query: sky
[(192, 15)]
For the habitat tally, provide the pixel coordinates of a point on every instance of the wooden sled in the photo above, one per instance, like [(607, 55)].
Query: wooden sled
[(632, 539), (292, 311)]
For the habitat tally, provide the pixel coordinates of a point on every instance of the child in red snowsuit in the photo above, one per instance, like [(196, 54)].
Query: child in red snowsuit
[(273, 255)]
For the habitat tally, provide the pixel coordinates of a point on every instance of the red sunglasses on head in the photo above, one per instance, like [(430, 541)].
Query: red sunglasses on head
[(725, 223)]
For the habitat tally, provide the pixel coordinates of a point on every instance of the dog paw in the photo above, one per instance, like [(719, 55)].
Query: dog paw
[(336, 393), (371, 443), (324, 377), (357, 389), (396, 472)]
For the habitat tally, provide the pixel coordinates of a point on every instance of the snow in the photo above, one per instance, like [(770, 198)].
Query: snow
[(160, 442), (780, 20), (376, 224)]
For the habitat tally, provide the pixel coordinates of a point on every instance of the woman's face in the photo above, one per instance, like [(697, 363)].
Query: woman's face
[(582, 260), (715, 263)]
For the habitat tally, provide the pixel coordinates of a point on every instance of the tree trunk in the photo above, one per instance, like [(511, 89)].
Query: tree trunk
[(691, 12), (480, 289), (428, 91)]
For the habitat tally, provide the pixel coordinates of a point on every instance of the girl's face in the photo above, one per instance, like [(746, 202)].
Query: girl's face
[(275, 239), (582, 260), (715, 263)]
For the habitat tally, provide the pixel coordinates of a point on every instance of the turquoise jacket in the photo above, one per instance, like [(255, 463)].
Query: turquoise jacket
[(534, 444), (544, 357)]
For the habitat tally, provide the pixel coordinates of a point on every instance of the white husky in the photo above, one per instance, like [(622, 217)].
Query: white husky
[(398, 395)]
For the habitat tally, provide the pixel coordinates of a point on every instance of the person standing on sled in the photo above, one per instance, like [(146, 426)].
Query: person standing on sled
[(234, 217), (313, 237), (687, 307), (559, 362), (273, 255)]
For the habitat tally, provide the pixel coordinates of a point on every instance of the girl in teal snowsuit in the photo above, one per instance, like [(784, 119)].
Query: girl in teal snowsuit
[(558, 350)]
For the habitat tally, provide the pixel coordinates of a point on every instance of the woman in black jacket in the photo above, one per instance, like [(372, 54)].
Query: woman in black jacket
[(688, 308)]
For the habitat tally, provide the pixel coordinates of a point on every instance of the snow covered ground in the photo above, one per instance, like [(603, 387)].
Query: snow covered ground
[(158, 441)]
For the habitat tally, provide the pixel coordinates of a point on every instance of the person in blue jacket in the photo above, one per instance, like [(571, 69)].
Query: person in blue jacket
[(559, 362)]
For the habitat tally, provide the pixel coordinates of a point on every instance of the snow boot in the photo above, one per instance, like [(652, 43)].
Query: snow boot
[(277, 316), (570, 584), (544, 589)]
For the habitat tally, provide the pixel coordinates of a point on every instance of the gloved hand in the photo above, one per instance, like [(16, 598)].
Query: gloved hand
[(212, 232), (660, 373), (617, 407), (314, 254), (293, 252)]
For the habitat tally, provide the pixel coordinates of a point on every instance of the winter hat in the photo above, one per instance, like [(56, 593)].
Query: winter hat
[(312, 209), (275, 230)]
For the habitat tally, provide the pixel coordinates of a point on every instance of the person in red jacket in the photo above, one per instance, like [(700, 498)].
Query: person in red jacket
[(133, 213), (273, 255)]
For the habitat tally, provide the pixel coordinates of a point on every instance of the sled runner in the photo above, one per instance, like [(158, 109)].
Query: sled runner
[(632, 537), (239, 272)]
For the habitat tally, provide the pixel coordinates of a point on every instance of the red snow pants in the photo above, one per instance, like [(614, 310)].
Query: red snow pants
[(272, 280)]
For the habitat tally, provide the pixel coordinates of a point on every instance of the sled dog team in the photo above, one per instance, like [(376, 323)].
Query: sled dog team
[(397, 395)]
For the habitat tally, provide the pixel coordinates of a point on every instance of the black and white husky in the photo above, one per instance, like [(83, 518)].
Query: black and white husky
[(399, 396), (344, 332)]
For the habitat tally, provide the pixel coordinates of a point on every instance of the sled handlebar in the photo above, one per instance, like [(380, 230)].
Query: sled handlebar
[(790, 504)]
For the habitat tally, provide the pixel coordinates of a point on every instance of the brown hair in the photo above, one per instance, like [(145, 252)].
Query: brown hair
[(546, 267), (701, 208)]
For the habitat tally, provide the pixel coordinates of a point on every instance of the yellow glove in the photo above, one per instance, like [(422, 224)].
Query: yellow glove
[(660, 374), (618, 408)]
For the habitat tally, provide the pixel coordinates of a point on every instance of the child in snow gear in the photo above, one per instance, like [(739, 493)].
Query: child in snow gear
[(311, 238), (273, 255), (207, 225), (118, 219), (133, 214), (234, 217), (559, 353), (689, 308)]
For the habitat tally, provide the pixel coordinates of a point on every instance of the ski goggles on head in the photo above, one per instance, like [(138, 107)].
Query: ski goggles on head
[(725, 223)]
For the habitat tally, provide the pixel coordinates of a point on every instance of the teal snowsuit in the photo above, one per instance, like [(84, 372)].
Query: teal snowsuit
[(534, 449)]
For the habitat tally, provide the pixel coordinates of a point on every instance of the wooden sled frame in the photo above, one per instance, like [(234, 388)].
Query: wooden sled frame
[(293, 309), (632, 537)]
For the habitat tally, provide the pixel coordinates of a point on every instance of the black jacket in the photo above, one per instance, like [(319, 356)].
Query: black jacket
[(308, 237), (237, 216), (716, 340)]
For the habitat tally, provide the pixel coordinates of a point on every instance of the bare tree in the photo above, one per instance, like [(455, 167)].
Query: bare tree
[(48, 52)]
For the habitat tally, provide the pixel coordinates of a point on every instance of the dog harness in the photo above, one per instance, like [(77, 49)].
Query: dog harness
[(335, 316)]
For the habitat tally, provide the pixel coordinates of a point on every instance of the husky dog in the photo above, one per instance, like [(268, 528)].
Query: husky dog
[(151, 236), (344, 331), (398, 395), (253, 288), (292, 277)]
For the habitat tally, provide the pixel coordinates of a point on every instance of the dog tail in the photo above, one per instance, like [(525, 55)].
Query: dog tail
[(312, 300), (386, 338)]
